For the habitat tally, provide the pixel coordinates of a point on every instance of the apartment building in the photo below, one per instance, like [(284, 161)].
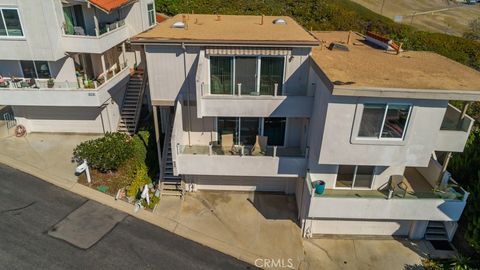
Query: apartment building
[(65, 65), (256, 103)]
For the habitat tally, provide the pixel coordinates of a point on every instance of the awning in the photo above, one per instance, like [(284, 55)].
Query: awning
[(247, 51), (109, 5)]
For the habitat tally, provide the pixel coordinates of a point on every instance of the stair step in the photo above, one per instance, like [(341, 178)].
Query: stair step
[(436, 231), (172, 182), (172, 193), (435, 224), (436, 237)]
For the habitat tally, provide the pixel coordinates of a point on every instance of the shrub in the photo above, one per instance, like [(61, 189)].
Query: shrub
[(140, 179), (107, 153)]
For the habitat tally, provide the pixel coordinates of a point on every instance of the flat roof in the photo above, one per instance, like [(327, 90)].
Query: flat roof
[(366, 70), (201, 28)]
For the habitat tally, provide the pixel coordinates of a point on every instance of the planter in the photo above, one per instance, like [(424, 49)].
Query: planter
[(319, 187)]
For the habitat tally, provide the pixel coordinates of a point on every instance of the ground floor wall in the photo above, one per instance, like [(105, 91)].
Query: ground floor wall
[(413, 229), (239, 183)]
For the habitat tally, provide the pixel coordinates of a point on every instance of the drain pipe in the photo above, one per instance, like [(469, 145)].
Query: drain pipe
[(188, 92)]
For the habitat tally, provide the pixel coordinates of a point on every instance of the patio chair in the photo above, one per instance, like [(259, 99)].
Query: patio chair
[(3, 82), (398, 186), (30, 83), (260, 147), (79, 31), (227, 143)]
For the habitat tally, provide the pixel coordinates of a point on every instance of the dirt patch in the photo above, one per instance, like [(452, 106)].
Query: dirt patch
[(109, 182)]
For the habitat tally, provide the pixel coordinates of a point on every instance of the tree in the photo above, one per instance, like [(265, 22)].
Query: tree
[(474, 32)]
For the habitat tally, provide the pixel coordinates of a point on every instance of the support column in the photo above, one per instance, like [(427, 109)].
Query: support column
[(157, 137), (444, 168), (104, 67), (95, 21), (123, 55)]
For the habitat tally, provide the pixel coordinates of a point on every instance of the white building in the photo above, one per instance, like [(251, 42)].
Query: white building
[(65, 65), (258, 103)]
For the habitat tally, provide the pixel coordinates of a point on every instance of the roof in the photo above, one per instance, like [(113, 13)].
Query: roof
[(201, 28), (368, 71), (109, 5)]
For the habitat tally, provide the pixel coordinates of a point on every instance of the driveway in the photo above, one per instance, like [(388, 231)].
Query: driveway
[(29, 208)]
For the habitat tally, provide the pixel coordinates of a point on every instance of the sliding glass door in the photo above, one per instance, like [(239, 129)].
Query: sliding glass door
[(245, 74), (257, 75), (221, 75), (246, 129), (271, 73)]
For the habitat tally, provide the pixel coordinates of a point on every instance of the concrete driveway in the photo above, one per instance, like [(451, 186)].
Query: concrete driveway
[(43, 152), (261, 224)]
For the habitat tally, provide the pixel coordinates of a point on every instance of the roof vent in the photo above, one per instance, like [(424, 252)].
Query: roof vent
[(178, 25), (279, 21), (335, 46)]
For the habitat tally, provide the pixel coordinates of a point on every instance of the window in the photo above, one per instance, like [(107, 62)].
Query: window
[(246, 129), (151, 14), (257, 75), (383, 121), (35, 69), (10, 25), (350, 176)]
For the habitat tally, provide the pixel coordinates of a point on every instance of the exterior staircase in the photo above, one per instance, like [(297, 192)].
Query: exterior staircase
[(436, 231), (132, 103), (170, 184)]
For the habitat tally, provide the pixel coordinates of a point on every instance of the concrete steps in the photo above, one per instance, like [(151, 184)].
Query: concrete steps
[(171, 184), (436, 231), (131, 104)]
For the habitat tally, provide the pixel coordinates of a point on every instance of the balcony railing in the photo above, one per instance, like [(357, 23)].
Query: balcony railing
[(16, 83), (275, 90), (451, 192), (453, 121), (243, 150), (102, 30)]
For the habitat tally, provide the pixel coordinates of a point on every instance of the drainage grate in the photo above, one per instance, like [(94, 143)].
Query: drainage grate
[(441, 245)]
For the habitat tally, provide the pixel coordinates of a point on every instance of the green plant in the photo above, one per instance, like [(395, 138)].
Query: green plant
[(107, 153), (474, 30), (461, 263), (140, 179)]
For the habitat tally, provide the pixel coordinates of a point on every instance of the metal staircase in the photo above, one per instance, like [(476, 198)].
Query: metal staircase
[(132, 103), (170, 184), (436, 231)]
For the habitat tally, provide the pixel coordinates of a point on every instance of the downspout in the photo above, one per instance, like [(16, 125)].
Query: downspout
[(188, 93)]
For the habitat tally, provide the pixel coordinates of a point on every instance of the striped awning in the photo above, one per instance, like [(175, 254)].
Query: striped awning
[(247, 51)]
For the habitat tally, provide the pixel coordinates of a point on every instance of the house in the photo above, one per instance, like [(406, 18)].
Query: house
[(65, 66), (256, 103)]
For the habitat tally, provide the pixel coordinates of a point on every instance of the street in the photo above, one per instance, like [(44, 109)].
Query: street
[(29, 207)]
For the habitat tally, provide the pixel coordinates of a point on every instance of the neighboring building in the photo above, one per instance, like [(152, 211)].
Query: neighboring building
[(66, 65), (255, 103)]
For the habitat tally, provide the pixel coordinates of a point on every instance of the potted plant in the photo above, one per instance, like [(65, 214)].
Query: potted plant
[(50, 83)]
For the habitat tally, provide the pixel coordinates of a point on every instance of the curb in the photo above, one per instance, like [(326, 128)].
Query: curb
[(165, 223)]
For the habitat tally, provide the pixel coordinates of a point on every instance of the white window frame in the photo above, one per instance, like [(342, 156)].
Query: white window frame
[(6, 29), (257, 72), (380, 138), (154, 15), (355, 177)]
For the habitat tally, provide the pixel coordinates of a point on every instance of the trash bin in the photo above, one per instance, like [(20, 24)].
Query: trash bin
[(319, 187)]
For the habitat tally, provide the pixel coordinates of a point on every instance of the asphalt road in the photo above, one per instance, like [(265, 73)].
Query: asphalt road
[(29, 207)]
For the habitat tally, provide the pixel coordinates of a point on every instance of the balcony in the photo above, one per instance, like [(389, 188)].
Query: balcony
[(420, 202), (273, 103), (454, 132), (41, 92), (240, 161), (96, 41)]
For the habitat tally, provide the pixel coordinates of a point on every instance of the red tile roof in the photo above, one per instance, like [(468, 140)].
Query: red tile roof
[(109, 5)]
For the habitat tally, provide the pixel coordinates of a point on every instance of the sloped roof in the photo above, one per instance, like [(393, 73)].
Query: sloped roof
[(109, 5)]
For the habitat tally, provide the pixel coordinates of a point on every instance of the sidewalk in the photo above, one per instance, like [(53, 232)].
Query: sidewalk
[(252, 227)]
